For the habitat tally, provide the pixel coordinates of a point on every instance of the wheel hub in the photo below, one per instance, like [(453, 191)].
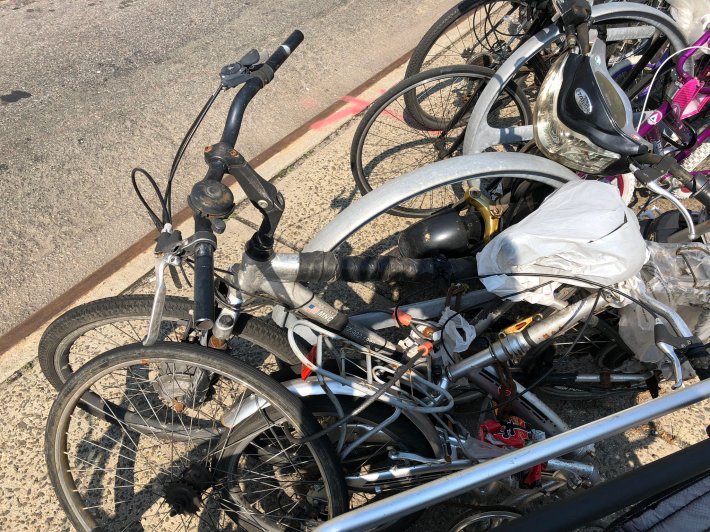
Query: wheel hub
[(184, 497)]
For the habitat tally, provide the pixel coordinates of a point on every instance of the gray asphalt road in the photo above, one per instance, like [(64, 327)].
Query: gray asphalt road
[(91, 88)]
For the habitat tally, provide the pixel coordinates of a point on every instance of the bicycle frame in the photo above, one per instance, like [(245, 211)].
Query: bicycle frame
[(277, 278), (277, 275), (480, 135)]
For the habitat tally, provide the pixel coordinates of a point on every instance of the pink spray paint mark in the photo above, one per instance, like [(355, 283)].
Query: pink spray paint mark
[(309, 103), (355, 106)]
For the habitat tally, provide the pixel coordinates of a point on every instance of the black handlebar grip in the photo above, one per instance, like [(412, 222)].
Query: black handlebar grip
[(204, 286), (697, 183), (282, 52)]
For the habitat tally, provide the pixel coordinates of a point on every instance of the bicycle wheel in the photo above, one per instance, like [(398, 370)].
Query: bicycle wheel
[(196, 473), (481, 518), (390, 140), (478, 32), (600, 350), (85, 331), (372, 457)]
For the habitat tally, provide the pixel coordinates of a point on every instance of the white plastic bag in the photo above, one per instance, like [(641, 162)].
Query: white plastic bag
[(457, 335), (583, 230), (677, 275), (692, 16)]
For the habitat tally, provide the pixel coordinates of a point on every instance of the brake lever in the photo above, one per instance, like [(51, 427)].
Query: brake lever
[(156, 314), (649, 176), (672, 357), (653, 186), (668, 343)]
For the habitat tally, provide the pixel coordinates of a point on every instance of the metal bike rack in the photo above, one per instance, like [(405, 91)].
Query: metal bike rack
[(455, 484)]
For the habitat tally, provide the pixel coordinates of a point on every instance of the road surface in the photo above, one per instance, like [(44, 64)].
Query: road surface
[(90, 89)]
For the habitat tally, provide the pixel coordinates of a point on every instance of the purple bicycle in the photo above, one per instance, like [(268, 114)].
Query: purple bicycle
[(679, 122)]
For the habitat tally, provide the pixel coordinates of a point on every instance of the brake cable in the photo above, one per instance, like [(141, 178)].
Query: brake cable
[(165, 198)]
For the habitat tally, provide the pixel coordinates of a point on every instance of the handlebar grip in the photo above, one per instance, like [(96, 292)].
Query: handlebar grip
[(204, 286), (282, 52), (697, 183)]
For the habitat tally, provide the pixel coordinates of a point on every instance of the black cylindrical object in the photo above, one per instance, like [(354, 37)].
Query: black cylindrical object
[(609, 497), (282, 52), (697, 184), (204, 286), (321, 266)]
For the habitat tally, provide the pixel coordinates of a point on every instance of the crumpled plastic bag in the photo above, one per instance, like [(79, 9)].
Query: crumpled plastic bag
[(692, 17), (677, 275), (457, 335), (584, 229)]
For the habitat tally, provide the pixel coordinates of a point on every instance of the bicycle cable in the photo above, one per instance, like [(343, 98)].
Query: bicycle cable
[(542, 377), (398, 374), (158, 222), (165, 198), (185, 143)]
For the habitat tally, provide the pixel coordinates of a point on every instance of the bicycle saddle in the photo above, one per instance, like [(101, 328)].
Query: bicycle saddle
[(586, 124)]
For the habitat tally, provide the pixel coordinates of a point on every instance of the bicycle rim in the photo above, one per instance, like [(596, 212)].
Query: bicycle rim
[(111, 476), (392, 140)]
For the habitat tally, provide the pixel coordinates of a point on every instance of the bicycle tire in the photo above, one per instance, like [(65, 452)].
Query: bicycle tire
[(496, 514), (487, 47), (59, 445), (363, 170), (63, 333), (404, 435), (446, 22)]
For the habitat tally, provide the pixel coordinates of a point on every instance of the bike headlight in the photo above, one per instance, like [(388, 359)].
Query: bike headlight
[(557, 141)]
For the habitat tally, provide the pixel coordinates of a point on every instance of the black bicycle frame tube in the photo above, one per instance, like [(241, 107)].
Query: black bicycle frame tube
[(204, 278), (642, 63)]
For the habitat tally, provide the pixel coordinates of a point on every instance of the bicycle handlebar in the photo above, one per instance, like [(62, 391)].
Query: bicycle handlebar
[(204, 250), (282, 52), (260, 79), (204, 278), (697, 184)]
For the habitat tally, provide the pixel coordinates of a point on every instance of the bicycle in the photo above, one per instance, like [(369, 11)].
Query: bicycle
[(482, 32), (480, 135), (176, 379), (418, 121)]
